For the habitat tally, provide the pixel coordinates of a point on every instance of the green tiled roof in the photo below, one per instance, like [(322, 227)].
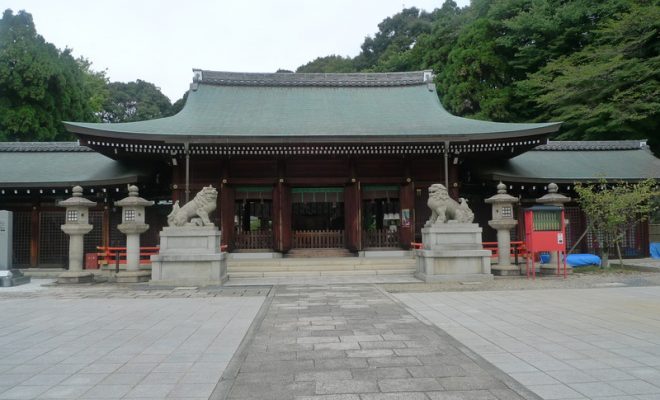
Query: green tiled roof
[(565, 162), (233, 107), (34, 165)]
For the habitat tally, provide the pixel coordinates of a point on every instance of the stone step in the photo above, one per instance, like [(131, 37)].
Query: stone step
[(318, 253), (307, 273), (317, 264)]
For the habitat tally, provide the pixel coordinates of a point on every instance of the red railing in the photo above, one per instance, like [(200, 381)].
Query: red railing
[(318, 239), (380, 238), (117, 255), (254, 240), (517, 249)]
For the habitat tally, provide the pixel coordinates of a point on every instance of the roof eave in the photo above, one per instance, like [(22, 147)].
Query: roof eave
[(285, 139)]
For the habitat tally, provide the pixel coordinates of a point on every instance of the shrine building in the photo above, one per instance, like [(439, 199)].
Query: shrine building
[(301, 161)]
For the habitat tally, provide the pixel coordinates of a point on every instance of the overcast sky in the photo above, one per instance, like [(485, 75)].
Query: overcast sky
[(160, 41)]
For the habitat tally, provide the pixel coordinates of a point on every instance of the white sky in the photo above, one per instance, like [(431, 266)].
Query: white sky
[(161, 41)]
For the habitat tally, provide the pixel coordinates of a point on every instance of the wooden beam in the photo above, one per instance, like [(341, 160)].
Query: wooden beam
[(407, 202), (34, 236)]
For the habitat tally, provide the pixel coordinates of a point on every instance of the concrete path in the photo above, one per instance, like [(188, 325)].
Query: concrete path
[(111, 343), (563, 344), (354, 342)]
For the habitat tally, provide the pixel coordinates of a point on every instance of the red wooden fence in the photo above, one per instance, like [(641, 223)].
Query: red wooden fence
[(319, 239)]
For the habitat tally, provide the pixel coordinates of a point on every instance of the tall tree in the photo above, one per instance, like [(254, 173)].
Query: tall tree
[(332, 63), (611, 88), (40, 86), (134, 101), (395, 34), (476, 78)]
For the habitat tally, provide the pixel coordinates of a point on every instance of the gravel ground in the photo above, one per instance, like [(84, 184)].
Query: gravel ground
[(573, 281)]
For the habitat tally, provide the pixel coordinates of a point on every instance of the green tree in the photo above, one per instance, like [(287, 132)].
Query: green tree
[(96, 85), (396, 34), (613, 209), (134, 101), (40, 86), (476, 80), (178, 105), (329, 64), (611, 88)]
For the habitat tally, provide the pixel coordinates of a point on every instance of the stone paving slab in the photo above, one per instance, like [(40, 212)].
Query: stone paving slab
[(601, 343), (98, 342), (354, 342)]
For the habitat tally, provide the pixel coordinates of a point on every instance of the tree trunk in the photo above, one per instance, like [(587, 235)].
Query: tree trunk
[(618, 252), (604, 256)]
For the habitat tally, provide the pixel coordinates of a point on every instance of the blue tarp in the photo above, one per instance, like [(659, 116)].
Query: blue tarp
[(582, 260), (655, 250)]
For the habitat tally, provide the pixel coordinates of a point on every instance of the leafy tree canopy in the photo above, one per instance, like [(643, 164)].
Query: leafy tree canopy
[(40, 86), (134, 101), (329, 64), (613, 209)]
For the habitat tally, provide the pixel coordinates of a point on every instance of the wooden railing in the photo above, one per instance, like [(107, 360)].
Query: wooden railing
[(318, 239), (254, 240), (117, 255), (516, 250), (380, 238)]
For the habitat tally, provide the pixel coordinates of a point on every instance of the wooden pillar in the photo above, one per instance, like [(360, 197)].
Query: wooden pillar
[(407, 202), (227, 204), (34, 236), (353, 216), (105, 227), (454, 184), (177, 185), (282, 235)]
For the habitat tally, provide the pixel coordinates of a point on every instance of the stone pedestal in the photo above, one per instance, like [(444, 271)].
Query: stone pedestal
[(133, 274), (189, 256), (76, 274), (504, 266), (76, 225), (452, 252), (133, 218)]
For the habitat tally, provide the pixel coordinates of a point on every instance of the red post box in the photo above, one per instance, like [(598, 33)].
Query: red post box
[(545, 230)]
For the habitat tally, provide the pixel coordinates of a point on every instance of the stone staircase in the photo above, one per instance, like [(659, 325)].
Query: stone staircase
[(326, 266), (318, 253)]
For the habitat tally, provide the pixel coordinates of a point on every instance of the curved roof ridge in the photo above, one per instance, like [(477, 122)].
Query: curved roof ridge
[(602, 145), (41, 147), (360, 79)]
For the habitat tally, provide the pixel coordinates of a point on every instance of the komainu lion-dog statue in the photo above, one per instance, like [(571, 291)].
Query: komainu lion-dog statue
[(196, 211), (444, 209)]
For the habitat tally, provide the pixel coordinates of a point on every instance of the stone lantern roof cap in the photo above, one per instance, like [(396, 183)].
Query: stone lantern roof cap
[(502, 196), (76, 200), (553, 197), (133, 199)]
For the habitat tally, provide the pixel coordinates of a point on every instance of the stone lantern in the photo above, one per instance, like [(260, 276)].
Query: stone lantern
[(553, 198), (503, 222), (76, 225), (132, 218)]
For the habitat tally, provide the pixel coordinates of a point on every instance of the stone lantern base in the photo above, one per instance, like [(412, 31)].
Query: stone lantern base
[(75, 277), (133, 276), (453, 252)]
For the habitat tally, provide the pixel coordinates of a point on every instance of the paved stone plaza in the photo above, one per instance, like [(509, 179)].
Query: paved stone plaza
[(331, 341), (352, 342), (562, 344), (68, 343)]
